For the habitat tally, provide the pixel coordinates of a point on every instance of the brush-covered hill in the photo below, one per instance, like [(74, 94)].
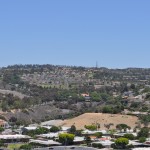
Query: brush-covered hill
[(25, 87)]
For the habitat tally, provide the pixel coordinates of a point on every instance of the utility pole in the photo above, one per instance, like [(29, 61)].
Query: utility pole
[(96, 64)]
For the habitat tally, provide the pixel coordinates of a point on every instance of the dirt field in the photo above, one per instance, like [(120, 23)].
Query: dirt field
[(93, 118)]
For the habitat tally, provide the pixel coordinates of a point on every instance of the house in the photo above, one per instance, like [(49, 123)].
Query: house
[(78, 140), (14, 138), (135, 143), (50, 135), (128, 94), (29, 128), (4, 124), (103, 138), (117, 135), (88, 132), (47, 127), (65, 129), (139, 146), (45, 142), (86, 96)]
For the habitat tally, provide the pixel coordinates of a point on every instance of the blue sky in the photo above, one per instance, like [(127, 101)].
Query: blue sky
[(116, 33)]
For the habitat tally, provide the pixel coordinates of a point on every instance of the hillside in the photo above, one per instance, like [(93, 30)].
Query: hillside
[(77, 89), (93, 118), (36, 114), (14, 93)]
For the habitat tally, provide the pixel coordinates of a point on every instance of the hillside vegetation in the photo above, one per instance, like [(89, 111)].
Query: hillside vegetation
[(76, 90)]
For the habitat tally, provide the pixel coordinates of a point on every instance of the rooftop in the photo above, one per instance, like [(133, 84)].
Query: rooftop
[(44, 142), (16, 136)]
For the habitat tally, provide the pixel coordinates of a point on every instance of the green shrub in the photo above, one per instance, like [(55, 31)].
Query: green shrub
[(144, 132), (1, 143), (26, 147), (97, 145), (73, 129), (122, 126), (91, 127), (54, 129), (130, 146), (1, 129), (129, 136), (66, 138), (25, 111), (142, 139), (98, 134), (87, 140), (122, 142)]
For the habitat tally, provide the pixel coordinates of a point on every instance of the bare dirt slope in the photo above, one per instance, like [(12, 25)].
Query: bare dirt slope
[(36, 114), (15, 93), (93, 118)]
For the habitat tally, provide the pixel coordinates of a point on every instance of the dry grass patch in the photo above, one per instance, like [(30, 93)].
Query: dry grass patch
[(102, 119)]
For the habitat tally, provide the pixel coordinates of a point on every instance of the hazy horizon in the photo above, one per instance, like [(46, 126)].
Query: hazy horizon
[(78, 66)]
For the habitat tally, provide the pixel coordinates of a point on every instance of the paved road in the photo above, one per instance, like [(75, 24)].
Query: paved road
[(66, 148)]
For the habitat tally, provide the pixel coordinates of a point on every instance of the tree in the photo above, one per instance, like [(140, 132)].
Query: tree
[(108, 125), (98, 126), (122, 126), (41, 130), (1, 143), (122, 142), (129, 136), (105, 96), (112, 132), (145, 119), (4, 106), (132, 86), (66, 138), (98, 134), (97, 145), (13, 119), (144, 132), (87, 140), (142, 139), (91, 127), (54, 129), (78, 133), (26, 147), (95, 96), (135, 105), (32, 133), (1, 129), (107, 109), (73, 129)]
